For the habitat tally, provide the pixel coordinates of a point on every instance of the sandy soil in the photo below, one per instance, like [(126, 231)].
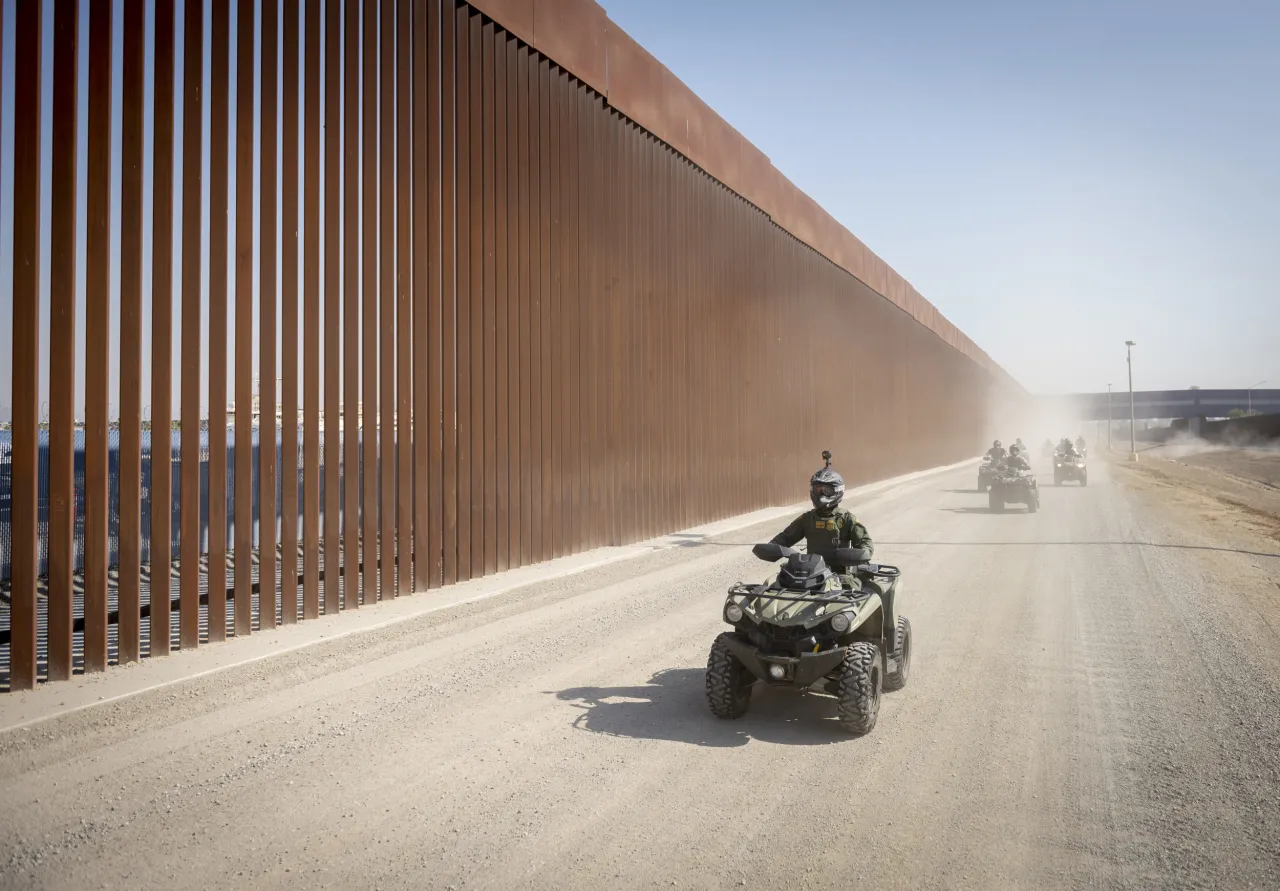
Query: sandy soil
[(1246, 481), (1095, 703), (1254, 465)]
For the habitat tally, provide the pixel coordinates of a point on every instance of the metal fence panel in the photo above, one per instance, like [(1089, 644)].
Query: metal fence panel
[(529, 326)]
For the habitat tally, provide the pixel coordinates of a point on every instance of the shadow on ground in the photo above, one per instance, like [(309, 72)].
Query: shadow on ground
[(1011, 509), (1066, 544), (673, 706), (696, 540)]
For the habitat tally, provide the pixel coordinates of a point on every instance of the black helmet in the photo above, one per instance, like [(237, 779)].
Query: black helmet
[(826, 487), (996, 444)]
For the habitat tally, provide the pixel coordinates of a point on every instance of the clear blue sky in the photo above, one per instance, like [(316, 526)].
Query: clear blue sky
[(6, 196), (1056, 178)]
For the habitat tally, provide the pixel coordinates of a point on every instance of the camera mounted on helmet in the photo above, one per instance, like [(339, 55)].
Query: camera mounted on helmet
[(826, 487)]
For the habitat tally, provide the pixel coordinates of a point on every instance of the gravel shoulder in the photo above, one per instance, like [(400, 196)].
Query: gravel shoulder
[(1093, 704)]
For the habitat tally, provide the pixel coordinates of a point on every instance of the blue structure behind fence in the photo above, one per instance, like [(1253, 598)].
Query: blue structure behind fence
[(113, 465)]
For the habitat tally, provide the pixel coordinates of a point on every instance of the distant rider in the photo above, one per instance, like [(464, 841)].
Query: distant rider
[(827, 526), (996, 453), (1080, 444), (1069, 450)]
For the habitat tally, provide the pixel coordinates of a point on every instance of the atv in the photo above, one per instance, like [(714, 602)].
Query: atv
[(986, 472), (807, 631), (1014, 487), (1070, 467)]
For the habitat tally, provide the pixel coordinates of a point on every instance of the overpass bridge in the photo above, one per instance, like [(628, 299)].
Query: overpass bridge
[(1149, 404)]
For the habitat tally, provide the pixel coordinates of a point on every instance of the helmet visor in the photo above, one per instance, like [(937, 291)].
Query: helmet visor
[(823, 490)]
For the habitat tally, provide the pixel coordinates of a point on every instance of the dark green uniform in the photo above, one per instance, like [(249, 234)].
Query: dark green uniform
[(823, 533)]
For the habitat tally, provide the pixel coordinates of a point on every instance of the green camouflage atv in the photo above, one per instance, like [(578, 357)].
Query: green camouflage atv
[(1070, 468), (987, 471), (1012, 486), (806, 631)]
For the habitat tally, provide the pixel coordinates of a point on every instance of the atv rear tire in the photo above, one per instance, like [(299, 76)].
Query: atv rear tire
[(897, 679), (1084, 481), (1033, 503), (995, 503), (728, 681), (860, 685)]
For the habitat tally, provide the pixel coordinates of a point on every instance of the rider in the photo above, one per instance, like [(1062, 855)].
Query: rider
[(996, 452), (1019, 444), (1069, 450), (828, 526), (1080, 444), (1015, 460)]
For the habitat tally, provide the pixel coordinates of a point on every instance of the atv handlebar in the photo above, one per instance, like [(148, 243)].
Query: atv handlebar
[(857, 560), (769, 552)]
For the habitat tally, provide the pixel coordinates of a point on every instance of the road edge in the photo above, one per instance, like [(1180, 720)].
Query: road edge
[(22, 710)]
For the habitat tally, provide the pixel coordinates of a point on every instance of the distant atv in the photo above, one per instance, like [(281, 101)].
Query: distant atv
[(805, 630), (987, 471), (1070, 467), (1014, 487)]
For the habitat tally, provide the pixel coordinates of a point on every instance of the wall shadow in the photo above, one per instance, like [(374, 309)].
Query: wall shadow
[(697, 540), (1072, 544), (672, 706), (1011, 509)]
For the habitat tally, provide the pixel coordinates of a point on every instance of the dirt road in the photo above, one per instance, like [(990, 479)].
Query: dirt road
[(1095, 703)]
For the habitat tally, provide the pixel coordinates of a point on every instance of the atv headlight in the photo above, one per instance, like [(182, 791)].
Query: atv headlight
[(733, 613), (840, 623)]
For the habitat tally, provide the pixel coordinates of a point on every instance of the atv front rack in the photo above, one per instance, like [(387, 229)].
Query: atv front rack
[(844, 596), (793, 596)]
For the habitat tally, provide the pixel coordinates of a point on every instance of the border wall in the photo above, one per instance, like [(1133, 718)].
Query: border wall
[(534, 297)]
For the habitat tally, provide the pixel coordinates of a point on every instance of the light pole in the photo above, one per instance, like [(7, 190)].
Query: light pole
[(1109, 422), (1249, 398), (1133, 437)]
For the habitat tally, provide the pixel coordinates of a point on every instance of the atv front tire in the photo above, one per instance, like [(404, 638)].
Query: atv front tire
[(860, 686), (995, 503), (1033, 503), (897, 679), (728, 681)]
